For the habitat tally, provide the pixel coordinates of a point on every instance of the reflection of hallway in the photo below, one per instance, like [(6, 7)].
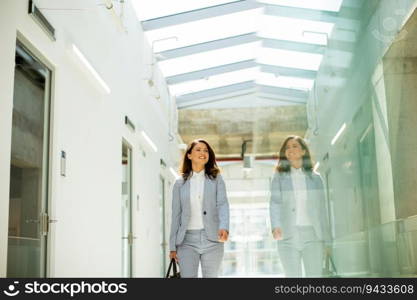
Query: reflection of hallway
[(251, 251), (85, 83)]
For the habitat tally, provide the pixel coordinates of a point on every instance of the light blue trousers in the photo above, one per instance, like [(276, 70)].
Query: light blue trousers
[(305, 247), (197, 248)]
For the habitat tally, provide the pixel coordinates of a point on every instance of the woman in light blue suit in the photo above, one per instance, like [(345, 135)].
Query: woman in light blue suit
[(298, 214), (200, 213)]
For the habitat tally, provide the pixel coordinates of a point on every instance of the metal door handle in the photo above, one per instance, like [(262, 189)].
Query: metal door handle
[(31, 221)]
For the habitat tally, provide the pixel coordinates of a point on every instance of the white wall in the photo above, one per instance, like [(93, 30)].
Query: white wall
[(89, 126)]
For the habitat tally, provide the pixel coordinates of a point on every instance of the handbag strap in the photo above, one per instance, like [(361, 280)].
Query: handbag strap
[(169, 268), (332, 263), (172, 264)]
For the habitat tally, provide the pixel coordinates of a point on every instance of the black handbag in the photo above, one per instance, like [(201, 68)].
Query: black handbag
[(176, 273)]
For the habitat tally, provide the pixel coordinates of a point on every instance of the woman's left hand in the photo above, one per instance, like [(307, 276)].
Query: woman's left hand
[(327, 251), (223, 235)]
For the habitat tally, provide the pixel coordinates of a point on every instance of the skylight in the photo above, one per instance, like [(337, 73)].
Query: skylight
[(284, 81), (289, 59), (214, 81), (203, 30), (208, 59), (295, 30), (329, 5), (147, 10)]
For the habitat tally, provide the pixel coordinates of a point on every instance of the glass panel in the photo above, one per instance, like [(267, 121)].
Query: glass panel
[(359, 124), (285, 81), (160, 8), (29, 168), (250, 252), (295, 30), (289, 59), (204, 30), (208, 59), (329, 5), (214, 81)]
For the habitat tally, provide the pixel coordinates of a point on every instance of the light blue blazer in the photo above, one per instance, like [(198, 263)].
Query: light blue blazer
[(215, 209), (283, 205)]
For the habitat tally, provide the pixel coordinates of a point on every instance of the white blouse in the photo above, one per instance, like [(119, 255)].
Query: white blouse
[(300, 193), (196, 200)]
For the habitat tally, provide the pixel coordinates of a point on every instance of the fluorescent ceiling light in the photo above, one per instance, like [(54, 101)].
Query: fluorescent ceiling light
[(204, 30), (214, 81), (284, 81), (290, 59), (90, 68), (334, 140), (329, 5), (175, 174), (296, 30), (149, 141), (146, 10), (208, 59)]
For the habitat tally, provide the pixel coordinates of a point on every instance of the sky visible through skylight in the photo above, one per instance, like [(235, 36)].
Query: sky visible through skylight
[(235, 24)]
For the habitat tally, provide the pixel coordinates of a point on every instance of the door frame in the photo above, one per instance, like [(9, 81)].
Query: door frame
[(129, 146), (164, 244), (48, 180)]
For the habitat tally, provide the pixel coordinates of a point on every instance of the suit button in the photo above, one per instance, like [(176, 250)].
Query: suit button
[(205, 212)]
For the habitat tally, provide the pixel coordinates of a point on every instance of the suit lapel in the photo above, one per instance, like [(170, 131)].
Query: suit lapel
[(286, 182), (311, 206), (207, 186), (186, 191), (309, 183)]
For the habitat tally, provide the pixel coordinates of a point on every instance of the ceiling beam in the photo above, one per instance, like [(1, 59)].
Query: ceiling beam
[(281, 99), (246, 64), (200, 14), (299, 96), (237, 87), (209, 46), (219, 98), (290, 72), (293, 46), (312, 15), (201, 74), (206, 96)]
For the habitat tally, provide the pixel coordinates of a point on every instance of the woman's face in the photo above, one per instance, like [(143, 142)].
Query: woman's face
[(293, 150), (199, 154)]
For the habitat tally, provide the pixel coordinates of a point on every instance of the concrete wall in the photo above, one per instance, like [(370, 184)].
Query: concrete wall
[(89, 125)]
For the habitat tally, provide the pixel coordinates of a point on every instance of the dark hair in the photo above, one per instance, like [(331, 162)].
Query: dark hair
[(211, 168), (283, 163)]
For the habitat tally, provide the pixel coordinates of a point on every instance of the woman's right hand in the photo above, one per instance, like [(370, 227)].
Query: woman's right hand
[(173, 255), (277, 234)]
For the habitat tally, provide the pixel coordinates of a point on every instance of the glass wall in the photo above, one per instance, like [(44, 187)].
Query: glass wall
[(361, 131), (341, 76)]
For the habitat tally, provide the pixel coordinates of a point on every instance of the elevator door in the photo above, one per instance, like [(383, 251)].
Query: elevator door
[(29, 176)]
